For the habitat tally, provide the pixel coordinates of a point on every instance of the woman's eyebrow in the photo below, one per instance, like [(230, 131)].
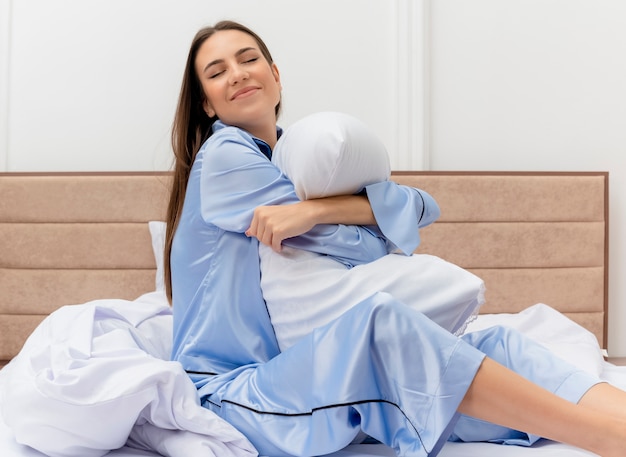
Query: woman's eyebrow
[(237, 54)]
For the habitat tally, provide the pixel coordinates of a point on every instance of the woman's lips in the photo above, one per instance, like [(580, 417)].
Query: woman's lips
[(245, 92)]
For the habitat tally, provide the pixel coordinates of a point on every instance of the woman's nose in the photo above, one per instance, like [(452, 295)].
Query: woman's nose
[(237, 74)]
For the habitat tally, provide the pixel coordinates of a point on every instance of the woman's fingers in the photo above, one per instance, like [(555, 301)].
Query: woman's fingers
[(272, 224)]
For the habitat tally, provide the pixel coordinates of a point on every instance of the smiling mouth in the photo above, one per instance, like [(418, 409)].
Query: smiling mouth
[(244, 92)]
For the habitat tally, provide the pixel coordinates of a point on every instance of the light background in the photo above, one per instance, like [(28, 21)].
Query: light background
[(91, 85)]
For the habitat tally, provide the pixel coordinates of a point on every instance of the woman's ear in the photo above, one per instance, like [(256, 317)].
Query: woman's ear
[(207, 108), (276, 75)]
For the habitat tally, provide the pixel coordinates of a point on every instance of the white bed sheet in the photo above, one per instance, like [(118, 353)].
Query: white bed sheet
[(9, 448), (540, 322)]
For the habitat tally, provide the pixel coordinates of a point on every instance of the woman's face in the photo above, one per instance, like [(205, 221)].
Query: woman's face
[(239, 84)]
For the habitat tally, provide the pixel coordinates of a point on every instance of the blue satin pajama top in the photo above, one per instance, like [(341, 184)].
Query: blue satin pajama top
[(221, 322)]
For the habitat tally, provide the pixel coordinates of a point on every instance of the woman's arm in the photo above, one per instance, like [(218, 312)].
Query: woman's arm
[(273, 224), (400, 212), (397, 211), (237, 179)]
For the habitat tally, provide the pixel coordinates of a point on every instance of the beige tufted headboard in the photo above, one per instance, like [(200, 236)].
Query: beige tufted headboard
[(67, 238)]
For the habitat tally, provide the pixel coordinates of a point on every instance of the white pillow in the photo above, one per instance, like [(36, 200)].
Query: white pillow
[(330, 153), (157, 233)]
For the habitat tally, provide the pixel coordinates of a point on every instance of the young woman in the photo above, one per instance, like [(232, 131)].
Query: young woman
[(380, 368)]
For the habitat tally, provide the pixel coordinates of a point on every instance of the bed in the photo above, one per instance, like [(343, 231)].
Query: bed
[(91, 241)]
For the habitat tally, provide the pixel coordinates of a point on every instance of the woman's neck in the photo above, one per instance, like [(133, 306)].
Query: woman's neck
[(268, 134)]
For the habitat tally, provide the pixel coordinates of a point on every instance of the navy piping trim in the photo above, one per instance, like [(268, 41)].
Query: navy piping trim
[(208, 373), (423, 206), (338, 405)]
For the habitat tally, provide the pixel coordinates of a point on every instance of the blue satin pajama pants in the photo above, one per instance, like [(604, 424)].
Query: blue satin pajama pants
[(383, 369)]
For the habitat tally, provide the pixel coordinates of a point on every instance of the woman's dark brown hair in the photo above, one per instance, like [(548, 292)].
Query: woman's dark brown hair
[(191, 128)]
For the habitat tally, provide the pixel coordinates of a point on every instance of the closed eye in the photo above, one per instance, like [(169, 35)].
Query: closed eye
[(215, 75)]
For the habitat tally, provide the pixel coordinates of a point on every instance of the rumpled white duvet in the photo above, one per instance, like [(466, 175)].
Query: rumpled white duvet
[(95, 377)]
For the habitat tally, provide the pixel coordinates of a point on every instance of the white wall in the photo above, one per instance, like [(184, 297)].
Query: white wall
[(93, 83), (447, 84)]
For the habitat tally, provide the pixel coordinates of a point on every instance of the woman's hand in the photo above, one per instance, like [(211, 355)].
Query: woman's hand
[(272, 224)]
